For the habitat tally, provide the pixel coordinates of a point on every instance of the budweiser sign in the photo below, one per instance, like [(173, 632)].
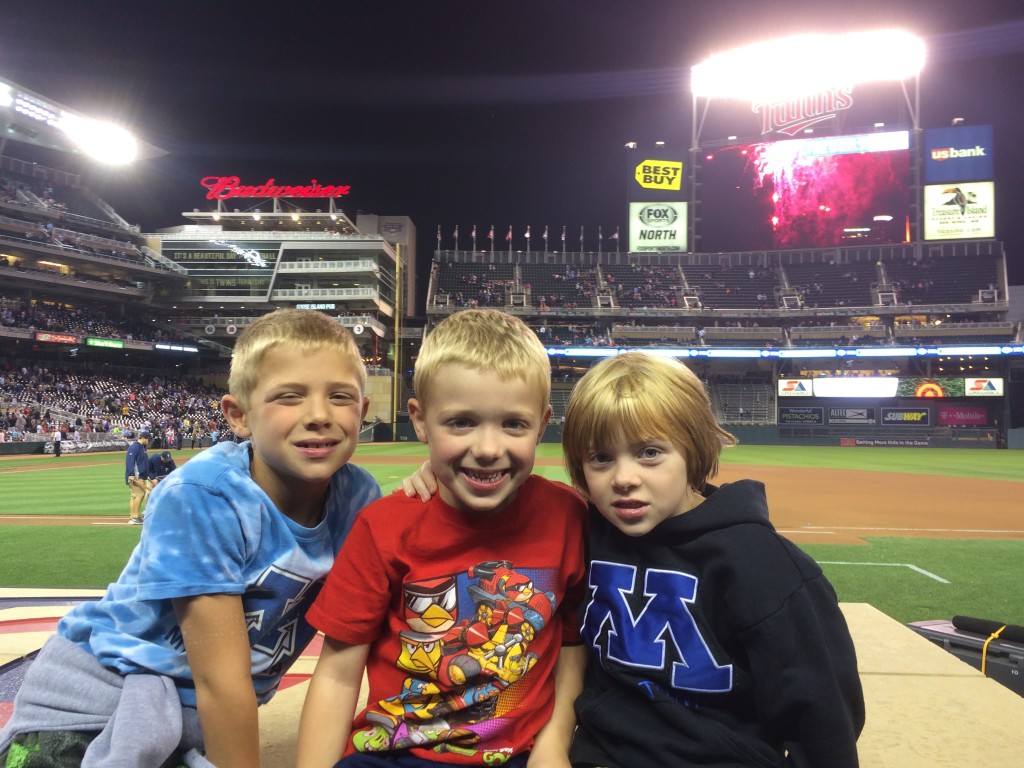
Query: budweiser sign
[(225, 187), (795, 115)]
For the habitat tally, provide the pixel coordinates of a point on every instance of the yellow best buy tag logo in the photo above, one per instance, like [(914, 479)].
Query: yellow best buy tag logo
[(659, 174)]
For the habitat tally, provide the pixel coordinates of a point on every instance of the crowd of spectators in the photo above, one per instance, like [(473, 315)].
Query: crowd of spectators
[(643, 286), (573, 335), (80, 320), (37, 212), (178, 411)]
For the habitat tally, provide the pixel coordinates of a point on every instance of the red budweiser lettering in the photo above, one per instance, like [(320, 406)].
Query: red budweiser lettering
[(224, 187), (793, 116)]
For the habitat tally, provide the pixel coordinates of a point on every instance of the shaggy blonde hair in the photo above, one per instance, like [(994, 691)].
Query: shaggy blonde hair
[(483, 340), (303, 329), (637, 396)]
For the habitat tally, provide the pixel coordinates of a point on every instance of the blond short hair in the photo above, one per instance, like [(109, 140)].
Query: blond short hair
[(306, 330), (483, 340), (637, 396)]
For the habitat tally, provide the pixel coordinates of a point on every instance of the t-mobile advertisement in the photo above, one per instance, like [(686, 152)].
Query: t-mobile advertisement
[(962, 415)]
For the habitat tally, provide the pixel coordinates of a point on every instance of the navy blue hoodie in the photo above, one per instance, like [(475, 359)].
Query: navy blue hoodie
[(714, 641)]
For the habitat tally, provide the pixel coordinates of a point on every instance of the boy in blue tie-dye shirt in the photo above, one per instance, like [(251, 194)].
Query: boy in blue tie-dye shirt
[(235, 547)]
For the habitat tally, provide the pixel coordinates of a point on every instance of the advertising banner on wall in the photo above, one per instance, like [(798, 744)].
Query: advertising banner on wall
[(861, 416), (658, 226), (795, 388), (957, 211), (56, 338), (983, 387), (959, 153), (790, 415), (906, 417), (962, 415), (221, 254)]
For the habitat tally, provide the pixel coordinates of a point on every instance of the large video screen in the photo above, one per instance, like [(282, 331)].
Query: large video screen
[(805, 193)]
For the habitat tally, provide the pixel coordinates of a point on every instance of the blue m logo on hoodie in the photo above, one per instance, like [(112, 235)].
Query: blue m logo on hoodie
[(663, 626)]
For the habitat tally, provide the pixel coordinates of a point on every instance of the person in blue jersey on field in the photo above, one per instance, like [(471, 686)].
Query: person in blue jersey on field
[(137, 477), (161, 465), (209, 613)]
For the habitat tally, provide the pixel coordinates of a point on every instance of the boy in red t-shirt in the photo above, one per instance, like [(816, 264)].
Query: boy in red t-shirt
[(462, 610)]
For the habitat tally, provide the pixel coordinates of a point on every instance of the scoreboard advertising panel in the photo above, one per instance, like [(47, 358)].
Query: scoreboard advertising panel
[(960, 153), (957, 211), (658, 216), (655, 175), (658, 226)]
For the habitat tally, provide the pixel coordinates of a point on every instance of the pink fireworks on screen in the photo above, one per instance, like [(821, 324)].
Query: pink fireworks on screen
[(822, 200)]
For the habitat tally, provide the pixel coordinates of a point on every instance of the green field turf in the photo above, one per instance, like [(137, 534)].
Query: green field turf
[(908, 579)]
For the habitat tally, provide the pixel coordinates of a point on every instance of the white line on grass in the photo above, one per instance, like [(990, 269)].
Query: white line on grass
[(922, 571), (801, 530), (1016, 531)]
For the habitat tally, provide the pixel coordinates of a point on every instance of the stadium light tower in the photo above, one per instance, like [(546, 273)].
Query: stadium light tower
[(29, 117), (801, 66)]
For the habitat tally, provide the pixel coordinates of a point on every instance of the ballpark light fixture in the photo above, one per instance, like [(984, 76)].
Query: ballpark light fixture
[(790, 67), (102, 141), (30, 117)]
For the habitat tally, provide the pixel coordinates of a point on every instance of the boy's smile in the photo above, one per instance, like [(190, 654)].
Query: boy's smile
[(303, 419), (483, 433)]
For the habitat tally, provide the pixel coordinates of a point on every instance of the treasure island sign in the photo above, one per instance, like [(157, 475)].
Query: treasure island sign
[(227, 187)]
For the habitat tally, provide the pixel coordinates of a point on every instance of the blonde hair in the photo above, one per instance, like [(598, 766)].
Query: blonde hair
[(634, 397), (306, 330), (483, 340)]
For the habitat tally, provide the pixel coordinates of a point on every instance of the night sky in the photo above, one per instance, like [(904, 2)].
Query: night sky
[(460, 113)]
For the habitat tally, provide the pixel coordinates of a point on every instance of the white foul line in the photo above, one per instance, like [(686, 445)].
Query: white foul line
[(922, 571), (814, 528)]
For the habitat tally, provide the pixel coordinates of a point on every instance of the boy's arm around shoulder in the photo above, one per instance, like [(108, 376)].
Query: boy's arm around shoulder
[(330, 706), (217, 645), (551, 747)]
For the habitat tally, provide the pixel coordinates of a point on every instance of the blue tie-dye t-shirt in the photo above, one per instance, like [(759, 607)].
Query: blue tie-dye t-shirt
[(211, 530)]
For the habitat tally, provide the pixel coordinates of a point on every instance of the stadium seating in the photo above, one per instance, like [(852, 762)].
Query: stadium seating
[(941, 280), (465, 285), (833, 284), (642, 285), (552, 287)]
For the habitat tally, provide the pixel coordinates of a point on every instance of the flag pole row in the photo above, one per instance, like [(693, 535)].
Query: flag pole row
[(509, 237)]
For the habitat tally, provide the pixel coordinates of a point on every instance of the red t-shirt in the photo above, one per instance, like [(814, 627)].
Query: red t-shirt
[(464, 613)]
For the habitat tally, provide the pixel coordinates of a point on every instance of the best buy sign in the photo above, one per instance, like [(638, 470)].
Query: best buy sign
[(659, 174)]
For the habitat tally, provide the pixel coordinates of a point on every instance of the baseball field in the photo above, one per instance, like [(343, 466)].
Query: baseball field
[(917, 533)]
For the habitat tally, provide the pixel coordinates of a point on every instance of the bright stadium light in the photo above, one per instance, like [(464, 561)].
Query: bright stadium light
[(787, 68), (102, 141)]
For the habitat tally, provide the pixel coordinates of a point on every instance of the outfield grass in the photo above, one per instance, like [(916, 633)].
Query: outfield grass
[(981, 578)]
